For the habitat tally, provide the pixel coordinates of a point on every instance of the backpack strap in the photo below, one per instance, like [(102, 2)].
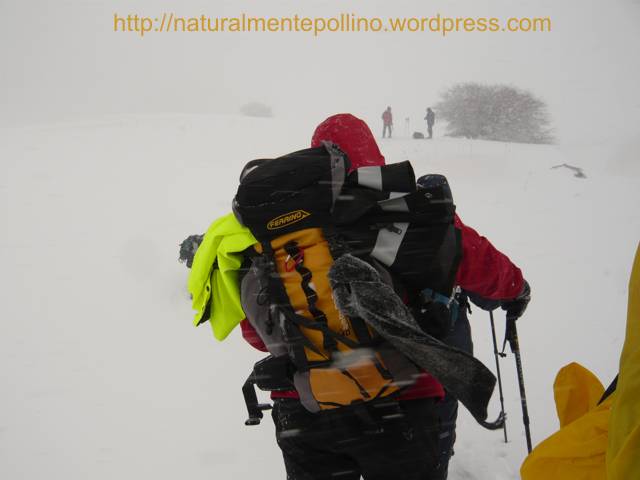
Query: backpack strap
[(291, 327), (328, 341), (296, 340), (610, 389)]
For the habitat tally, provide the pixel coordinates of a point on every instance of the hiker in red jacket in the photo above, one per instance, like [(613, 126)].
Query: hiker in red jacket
[(387, 122), (484, 274)]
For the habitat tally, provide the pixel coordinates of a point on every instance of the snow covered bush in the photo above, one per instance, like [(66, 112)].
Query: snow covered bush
[(256, 109), (494, 112)]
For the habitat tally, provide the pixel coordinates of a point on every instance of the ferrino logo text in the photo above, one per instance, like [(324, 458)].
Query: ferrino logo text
[(287, 219)]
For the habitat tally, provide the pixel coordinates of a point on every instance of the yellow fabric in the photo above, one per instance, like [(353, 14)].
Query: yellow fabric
[(330, 386), (214, 281), (318, 260), (576, 451), (623, 454), (596, 442), (576, 391)]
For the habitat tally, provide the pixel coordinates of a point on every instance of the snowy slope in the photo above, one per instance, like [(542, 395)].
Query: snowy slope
[(102, 374)]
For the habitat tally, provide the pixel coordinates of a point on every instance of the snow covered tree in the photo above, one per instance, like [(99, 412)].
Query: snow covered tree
[(256, 109), (494, 112)]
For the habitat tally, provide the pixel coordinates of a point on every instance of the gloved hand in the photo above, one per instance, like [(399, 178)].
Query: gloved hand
[(516, 307), (188, 249)]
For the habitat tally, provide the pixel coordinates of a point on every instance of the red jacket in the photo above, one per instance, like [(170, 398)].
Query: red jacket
[(387, 117), (483, 270)]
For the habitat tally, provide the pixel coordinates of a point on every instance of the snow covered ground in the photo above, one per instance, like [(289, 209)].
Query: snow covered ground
[(101, 373)]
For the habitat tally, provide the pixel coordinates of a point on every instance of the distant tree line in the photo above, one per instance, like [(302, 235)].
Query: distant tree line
[(256, 109)]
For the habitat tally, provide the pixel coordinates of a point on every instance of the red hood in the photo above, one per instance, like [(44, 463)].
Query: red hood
[(353, 137)]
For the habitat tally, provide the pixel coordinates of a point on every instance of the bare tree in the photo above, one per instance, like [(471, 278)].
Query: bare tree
[(495, 112)]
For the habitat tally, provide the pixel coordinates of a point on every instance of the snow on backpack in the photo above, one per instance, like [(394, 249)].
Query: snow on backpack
[(306, 212)]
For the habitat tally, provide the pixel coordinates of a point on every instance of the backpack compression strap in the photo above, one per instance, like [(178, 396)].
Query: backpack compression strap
[(330, 338), (297, 340), (328, 341)]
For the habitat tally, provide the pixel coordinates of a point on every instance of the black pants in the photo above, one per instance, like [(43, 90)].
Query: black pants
[(385, 129), (459, 337), (387, 441), (430, 130)]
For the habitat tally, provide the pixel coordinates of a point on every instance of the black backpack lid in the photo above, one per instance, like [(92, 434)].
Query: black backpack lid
[(290, 193)]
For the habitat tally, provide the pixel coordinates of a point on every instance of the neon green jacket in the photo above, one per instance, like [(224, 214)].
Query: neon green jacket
[(213, 281)]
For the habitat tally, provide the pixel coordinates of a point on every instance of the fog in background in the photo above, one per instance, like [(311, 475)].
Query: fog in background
[(102, 375), (62, 60)]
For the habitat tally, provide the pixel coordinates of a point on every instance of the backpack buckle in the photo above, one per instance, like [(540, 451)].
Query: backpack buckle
[(298, 259)]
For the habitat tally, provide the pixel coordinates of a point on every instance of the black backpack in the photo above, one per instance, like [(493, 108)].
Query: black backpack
[(306, 212)]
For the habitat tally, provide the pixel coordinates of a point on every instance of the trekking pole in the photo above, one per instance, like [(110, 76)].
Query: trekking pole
[(511, 336), (497, 354)]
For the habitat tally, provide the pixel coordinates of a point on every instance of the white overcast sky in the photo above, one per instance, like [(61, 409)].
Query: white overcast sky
[(62, 59)]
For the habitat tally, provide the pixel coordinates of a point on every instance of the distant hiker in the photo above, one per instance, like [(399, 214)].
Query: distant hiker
[(387, 122), (431, 119)]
